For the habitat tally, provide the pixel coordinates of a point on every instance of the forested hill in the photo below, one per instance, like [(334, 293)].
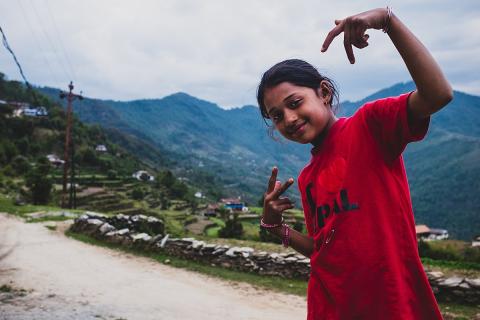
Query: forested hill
[(233, 145)]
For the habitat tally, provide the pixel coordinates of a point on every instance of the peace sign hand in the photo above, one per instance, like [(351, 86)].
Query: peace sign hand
[(354, 28), (273, 204)]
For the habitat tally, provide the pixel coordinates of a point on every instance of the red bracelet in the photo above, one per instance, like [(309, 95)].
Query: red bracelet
[(270, 226), (286, 236)]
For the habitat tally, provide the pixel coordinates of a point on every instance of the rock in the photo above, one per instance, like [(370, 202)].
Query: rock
[(451, 282), (123, 232), (435, 275), (141, 237), (475, 283), (164, 241), (105, 228)]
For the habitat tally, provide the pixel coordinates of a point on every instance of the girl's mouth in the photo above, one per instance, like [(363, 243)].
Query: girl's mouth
[(298, 130)]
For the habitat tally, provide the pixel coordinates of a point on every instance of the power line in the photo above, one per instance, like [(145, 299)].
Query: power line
[(7, 46), (38, 43), (49, 40), (65, 53)]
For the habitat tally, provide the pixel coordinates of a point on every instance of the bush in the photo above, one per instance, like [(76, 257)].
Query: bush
[(112, 174), (138, 194), (39, 182), (20, 165), (233, 228), (266, 236)]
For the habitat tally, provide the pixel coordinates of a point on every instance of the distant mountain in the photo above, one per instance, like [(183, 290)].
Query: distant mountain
[(233, 145)]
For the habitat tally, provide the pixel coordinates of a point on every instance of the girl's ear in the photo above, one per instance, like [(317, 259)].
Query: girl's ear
[(325, 91)]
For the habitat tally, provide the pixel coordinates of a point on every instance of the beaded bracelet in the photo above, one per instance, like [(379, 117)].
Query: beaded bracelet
[(270, 226), (386, 26)]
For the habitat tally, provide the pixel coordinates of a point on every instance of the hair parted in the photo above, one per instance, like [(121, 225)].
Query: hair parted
[(297, 72)]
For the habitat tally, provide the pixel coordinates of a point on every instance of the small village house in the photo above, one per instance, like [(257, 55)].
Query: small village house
[(143, 175), (425, 233), (55, 160), (101, 148)]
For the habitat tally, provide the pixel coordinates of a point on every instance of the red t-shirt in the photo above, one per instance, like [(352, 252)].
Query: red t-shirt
[(356, 200)]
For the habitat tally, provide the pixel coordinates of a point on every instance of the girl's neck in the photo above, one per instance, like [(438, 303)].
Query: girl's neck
[(321, 137)]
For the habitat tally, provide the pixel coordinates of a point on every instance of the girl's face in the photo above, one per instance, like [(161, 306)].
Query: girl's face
[(300, 114)]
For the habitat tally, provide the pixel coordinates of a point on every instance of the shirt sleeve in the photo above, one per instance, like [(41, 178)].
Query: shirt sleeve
[(387, 120)]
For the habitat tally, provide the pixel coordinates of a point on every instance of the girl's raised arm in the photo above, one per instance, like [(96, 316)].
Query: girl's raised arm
[(433, 90)]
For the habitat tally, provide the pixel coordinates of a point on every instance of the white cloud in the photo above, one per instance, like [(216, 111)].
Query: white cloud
[(217, 50)]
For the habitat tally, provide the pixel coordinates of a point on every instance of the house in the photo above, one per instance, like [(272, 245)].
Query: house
[(101, 148), (425, 233), (233, 204), (199, 195), (143, 175), (211, 210), (34, 112), (55, 160), (476, 241)]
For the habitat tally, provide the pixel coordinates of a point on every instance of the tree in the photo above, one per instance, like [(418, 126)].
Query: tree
[(233, 228), (166, 178), (39, 182), (20, 165), (137, 193)]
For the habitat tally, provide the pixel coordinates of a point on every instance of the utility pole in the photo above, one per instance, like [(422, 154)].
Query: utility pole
[(69, 148)]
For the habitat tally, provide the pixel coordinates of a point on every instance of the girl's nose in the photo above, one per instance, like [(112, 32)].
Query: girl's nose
[(290, 116)]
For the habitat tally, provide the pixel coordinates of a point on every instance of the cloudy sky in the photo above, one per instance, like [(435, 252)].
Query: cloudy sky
[(217, 50)]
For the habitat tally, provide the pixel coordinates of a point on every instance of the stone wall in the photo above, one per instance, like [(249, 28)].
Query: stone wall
[(146, 233)]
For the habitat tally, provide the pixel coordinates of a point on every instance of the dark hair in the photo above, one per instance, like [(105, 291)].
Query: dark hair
[(297, 72)]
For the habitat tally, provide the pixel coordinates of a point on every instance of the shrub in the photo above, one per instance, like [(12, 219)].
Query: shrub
[(233, 228), (137, 193), (112, 174), (39, 182)]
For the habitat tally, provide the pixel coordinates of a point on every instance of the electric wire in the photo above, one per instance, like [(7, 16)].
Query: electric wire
[(41, 50), (7, 46), (49, 40), (60, 40)]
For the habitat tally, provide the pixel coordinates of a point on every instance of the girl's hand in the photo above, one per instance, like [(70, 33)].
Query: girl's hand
[(354, 28), (273, 204)]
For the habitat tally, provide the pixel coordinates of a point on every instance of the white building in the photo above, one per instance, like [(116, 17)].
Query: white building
[(101, 148), (143, 175)]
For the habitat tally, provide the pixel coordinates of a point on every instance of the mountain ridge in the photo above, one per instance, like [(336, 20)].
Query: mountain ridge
[(233, 144)]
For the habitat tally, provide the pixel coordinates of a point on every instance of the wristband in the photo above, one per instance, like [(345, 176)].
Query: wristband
[(270, 226), (386, 25)]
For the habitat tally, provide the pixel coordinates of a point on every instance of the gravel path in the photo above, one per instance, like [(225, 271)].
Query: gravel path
[(55, 277)]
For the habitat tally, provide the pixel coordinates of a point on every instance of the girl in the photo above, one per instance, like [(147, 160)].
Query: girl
[(361, 233)]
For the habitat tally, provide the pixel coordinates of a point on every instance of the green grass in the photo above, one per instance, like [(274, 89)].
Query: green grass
[(468, 269), (7, 205), (6, 288), (212, 231)]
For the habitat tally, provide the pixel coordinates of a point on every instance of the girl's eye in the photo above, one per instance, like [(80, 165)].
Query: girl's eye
[(294, 103), (276, 117)]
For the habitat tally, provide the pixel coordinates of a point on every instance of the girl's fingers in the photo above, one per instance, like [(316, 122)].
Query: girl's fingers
[(272, 180), (332, 34), (347, 42), (283, 207), (279, 191)]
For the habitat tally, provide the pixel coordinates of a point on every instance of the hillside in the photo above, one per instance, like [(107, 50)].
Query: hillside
[(31, 153), (233, 146)]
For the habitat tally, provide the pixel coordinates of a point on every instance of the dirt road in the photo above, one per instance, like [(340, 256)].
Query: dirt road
[(67, 279)]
